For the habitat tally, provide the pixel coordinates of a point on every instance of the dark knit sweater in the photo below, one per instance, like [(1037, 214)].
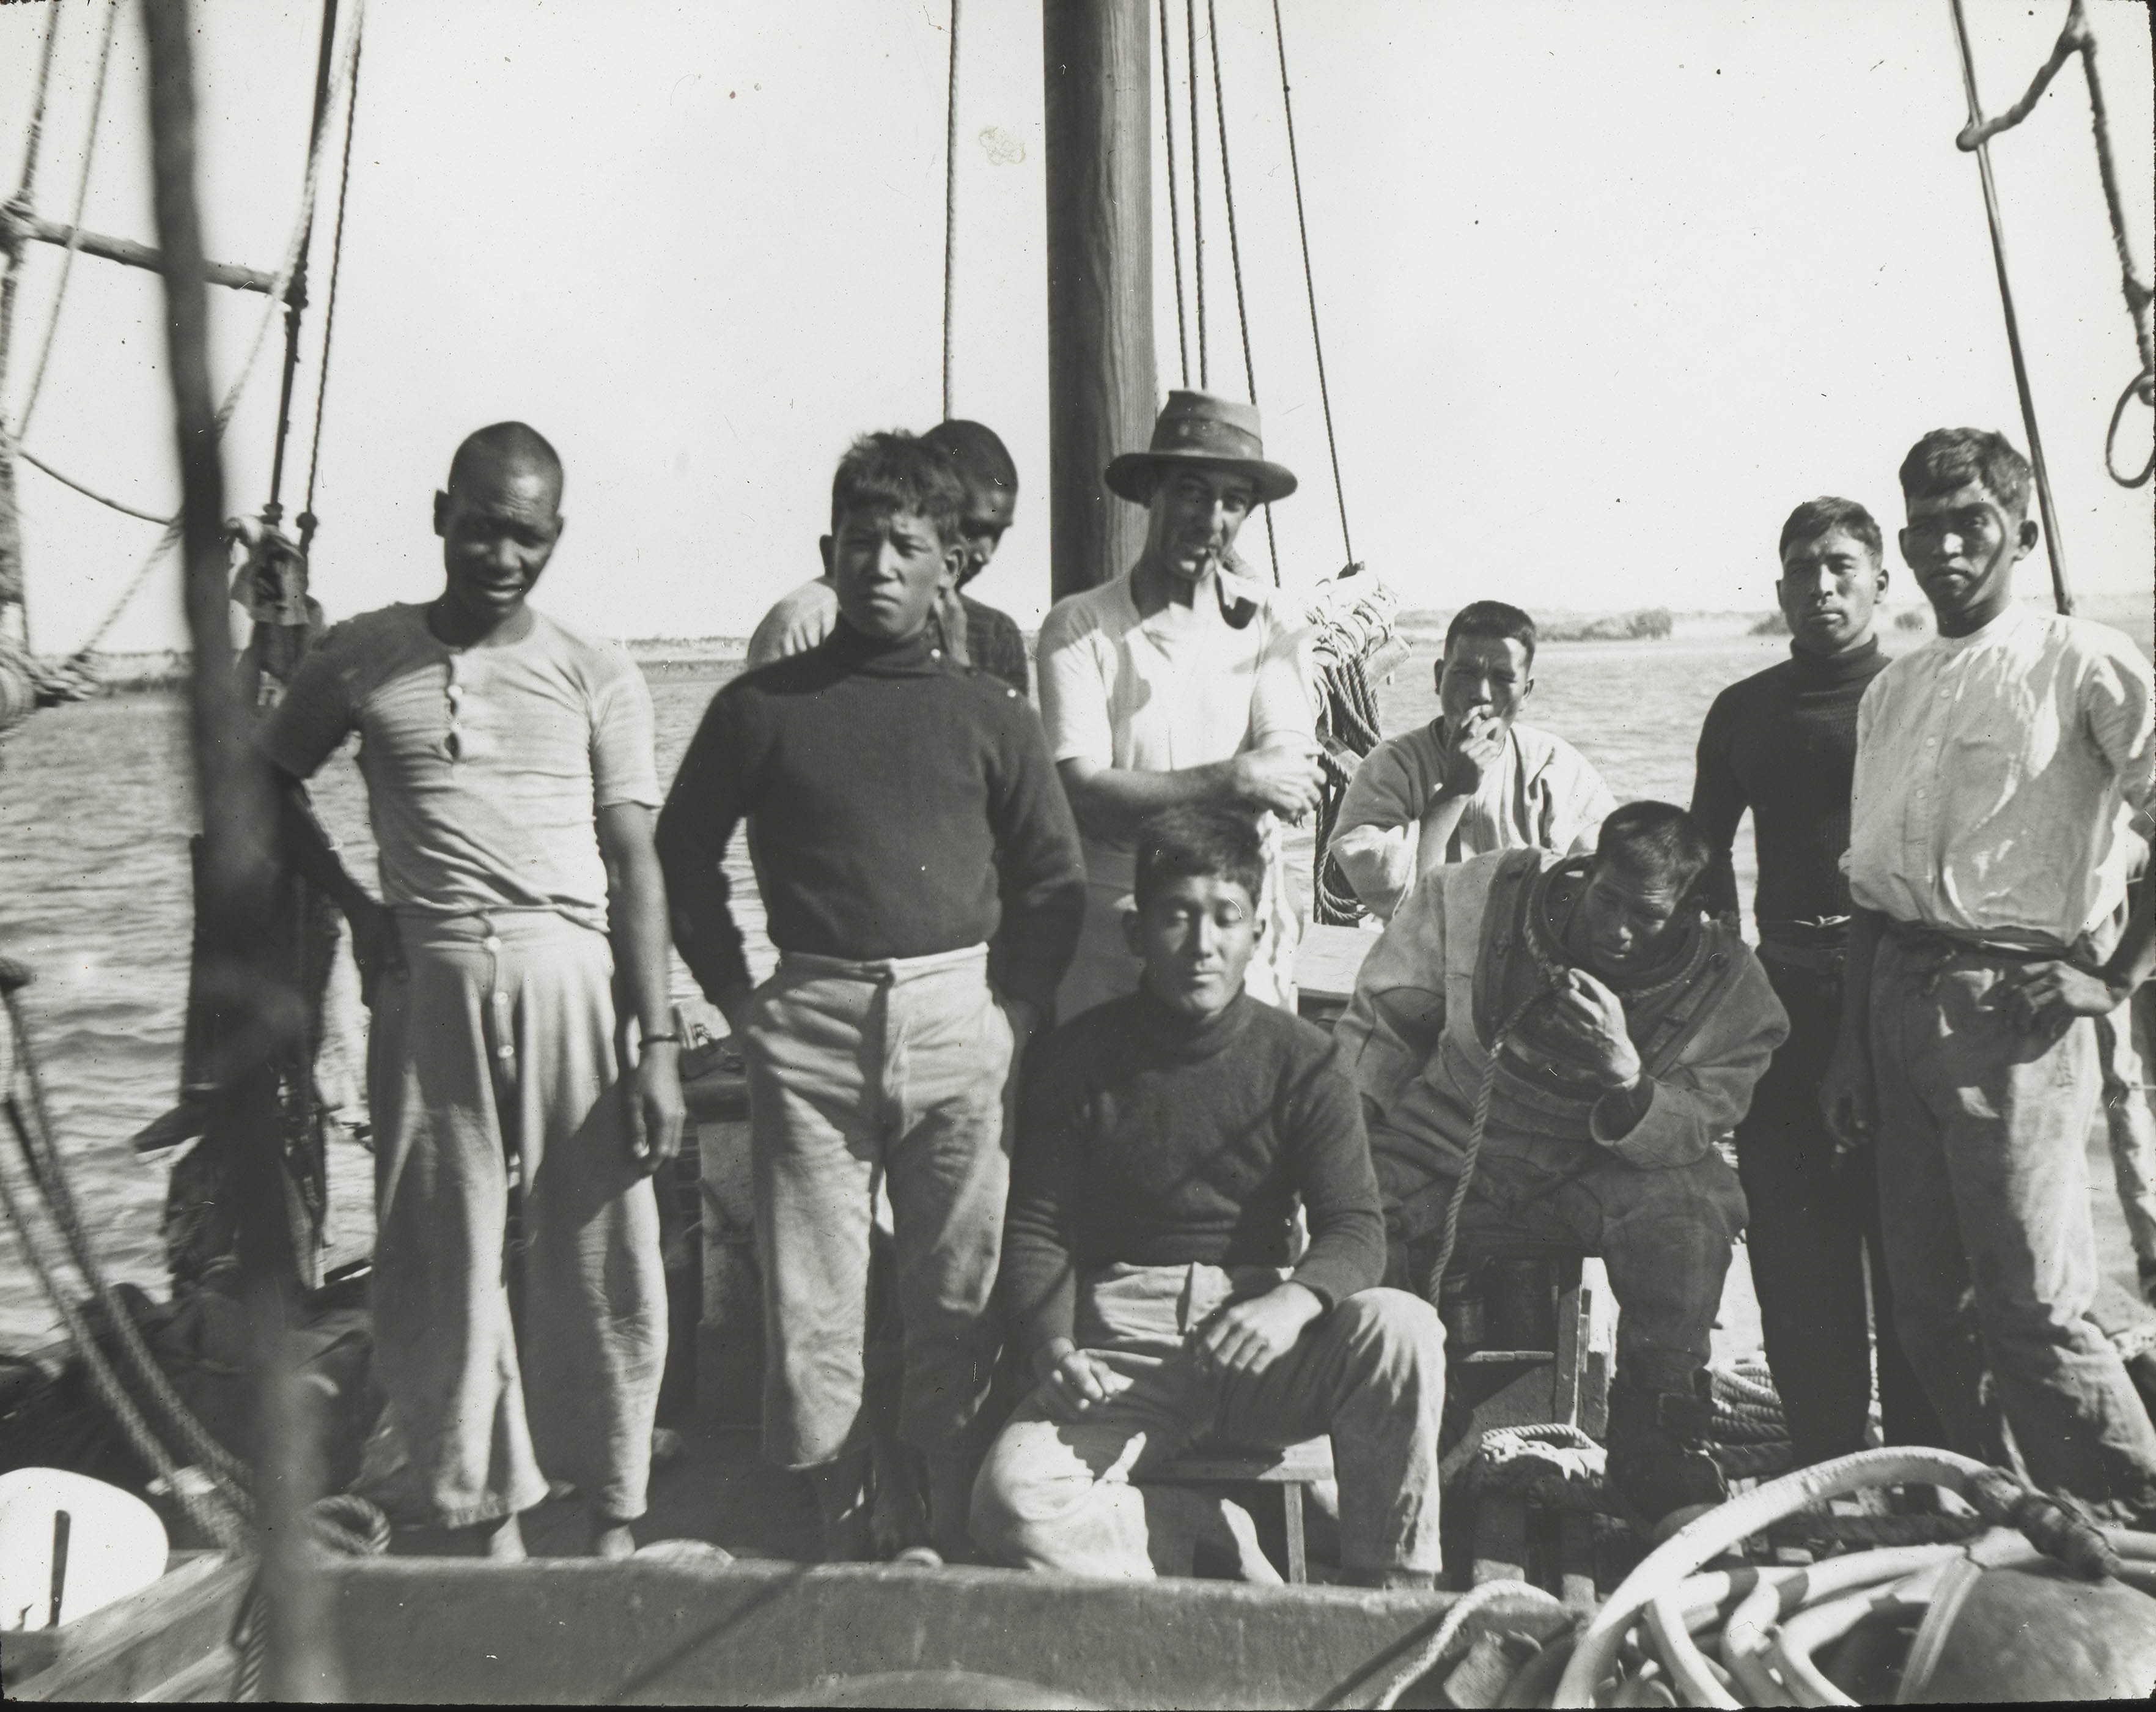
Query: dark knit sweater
[(1783, 742), (898, 805), (1146, 1140), (995, 644)]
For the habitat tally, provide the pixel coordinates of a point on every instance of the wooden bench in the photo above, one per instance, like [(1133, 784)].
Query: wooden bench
[(1294, 1469)]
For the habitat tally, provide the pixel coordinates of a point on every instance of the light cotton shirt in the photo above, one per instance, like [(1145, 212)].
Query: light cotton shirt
[(1180, 689), (485, 767), (796, 623), (1541, 792), (1992, 774)]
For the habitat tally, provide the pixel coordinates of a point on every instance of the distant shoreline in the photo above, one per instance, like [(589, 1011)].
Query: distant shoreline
[(167, 669)]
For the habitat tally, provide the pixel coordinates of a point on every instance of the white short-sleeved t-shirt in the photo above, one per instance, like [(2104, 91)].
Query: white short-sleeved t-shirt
[(1179, 689), (485, 768)]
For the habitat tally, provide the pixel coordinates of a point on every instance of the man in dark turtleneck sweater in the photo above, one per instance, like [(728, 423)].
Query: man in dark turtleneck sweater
[(921, 879), (1782, 744), (1163, 1140)]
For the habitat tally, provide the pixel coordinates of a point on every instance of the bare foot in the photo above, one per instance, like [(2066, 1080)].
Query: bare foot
[(899, 1512), (842, 1499), (611, 1538)]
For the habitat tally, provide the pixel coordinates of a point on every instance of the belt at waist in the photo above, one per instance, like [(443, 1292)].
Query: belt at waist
[(1925, 941), (884, 970), (1814, 959), (524, 923)]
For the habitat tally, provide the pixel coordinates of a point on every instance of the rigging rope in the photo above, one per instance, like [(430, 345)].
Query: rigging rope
[(294, 246), (1235, 248), (1309, 286), (1197, 194), (2076, 38), (307, 519), (949, 204), (75, 232), (1175, 224), (49, 1174)]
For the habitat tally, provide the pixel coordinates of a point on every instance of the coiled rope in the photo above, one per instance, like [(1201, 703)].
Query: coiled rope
[(344, 1524), (1347, 725)]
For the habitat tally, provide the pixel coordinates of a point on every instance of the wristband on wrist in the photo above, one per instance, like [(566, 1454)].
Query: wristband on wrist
[(668, 1039)]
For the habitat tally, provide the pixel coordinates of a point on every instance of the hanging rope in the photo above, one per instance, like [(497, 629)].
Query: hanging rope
[(307, 519), (75, 233), (2075, 38), (950, 206), (1175, 224), (1484, 1091), (293, 248), (1235, 248), (1310, 287), (1196, 193), (32, 147)]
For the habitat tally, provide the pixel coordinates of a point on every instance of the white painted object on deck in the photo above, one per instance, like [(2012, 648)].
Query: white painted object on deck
[(115, 1546)]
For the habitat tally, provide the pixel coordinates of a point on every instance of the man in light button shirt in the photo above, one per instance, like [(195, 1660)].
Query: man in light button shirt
[(1985, 857)]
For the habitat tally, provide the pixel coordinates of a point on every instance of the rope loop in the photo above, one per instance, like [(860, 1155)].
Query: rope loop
[(2143, 387)]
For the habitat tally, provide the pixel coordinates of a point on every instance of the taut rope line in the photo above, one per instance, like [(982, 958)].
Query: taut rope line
[(1174, 223), (950, 205), (1310, 288), (1235, 248)]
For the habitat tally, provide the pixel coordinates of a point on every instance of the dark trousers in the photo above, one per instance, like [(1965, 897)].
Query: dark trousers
[(1813, 1219)]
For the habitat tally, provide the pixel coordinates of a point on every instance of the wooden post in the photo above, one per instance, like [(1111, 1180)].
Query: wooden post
[(239, 858), (1097, 57)]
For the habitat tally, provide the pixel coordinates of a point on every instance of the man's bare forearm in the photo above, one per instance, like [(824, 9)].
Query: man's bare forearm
[(310, 852), (1865, 928), (636, 912), (1113, 802), (2133, 960)]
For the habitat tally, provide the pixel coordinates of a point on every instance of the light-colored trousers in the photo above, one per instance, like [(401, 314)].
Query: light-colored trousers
[(1370, 1372), (2123, 1047), (893, 1073), (499, 1045), (1983, 1191)]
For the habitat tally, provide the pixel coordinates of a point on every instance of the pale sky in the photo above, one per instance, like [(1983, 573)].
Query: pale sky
[(1606, 288)]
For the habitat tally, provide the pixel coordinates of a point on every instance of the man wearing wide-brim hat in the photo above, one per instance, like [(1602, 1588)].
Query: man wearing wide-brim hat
[(1179, 681)]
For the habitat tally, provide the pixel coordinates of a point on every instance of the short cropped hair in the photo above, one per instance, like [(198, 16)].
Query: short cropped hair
[(896, 471), (1656, 841), (1201, 843), (1495, 621), (1824, 515), (1948, 458), (976, 451), (506, 443)]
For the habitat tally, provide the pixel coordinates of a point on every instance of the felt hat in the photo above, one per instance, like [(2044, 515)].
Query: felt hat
[(1213, 433)]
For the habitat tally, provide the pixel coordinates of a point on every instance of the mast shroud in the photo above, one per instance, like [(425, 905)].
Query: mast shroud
[(1101, 388)]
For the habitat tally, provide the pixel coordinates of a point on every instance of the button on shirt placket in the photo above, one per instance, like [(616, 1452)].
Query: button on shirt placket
[(453, 740)]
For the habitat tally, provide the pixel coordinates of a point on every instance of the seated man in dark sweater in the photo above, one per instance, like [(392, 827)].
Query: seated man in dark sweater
[(1163, 1140), (921, 879)]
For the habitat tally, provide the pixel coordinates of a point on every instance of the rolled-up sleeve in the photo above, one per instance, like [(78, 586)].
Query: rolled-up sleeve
[(1378, 831), (2116, 700), (1074, 693), (1397, 1013)]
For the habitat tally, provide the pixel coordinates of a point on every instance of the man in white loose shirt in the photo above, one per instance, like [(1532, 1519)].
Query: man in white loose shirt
[(1984, 856), (1180, 681), (1474, 779)]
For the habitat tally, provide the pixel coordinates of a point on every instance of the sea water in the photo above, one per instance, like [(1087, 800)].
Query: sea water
[(96, 804)]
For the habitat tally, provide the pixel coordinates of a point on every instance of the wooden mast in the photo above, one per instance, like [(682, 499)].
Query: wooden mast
[(1098, 63), (259, 1012)]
